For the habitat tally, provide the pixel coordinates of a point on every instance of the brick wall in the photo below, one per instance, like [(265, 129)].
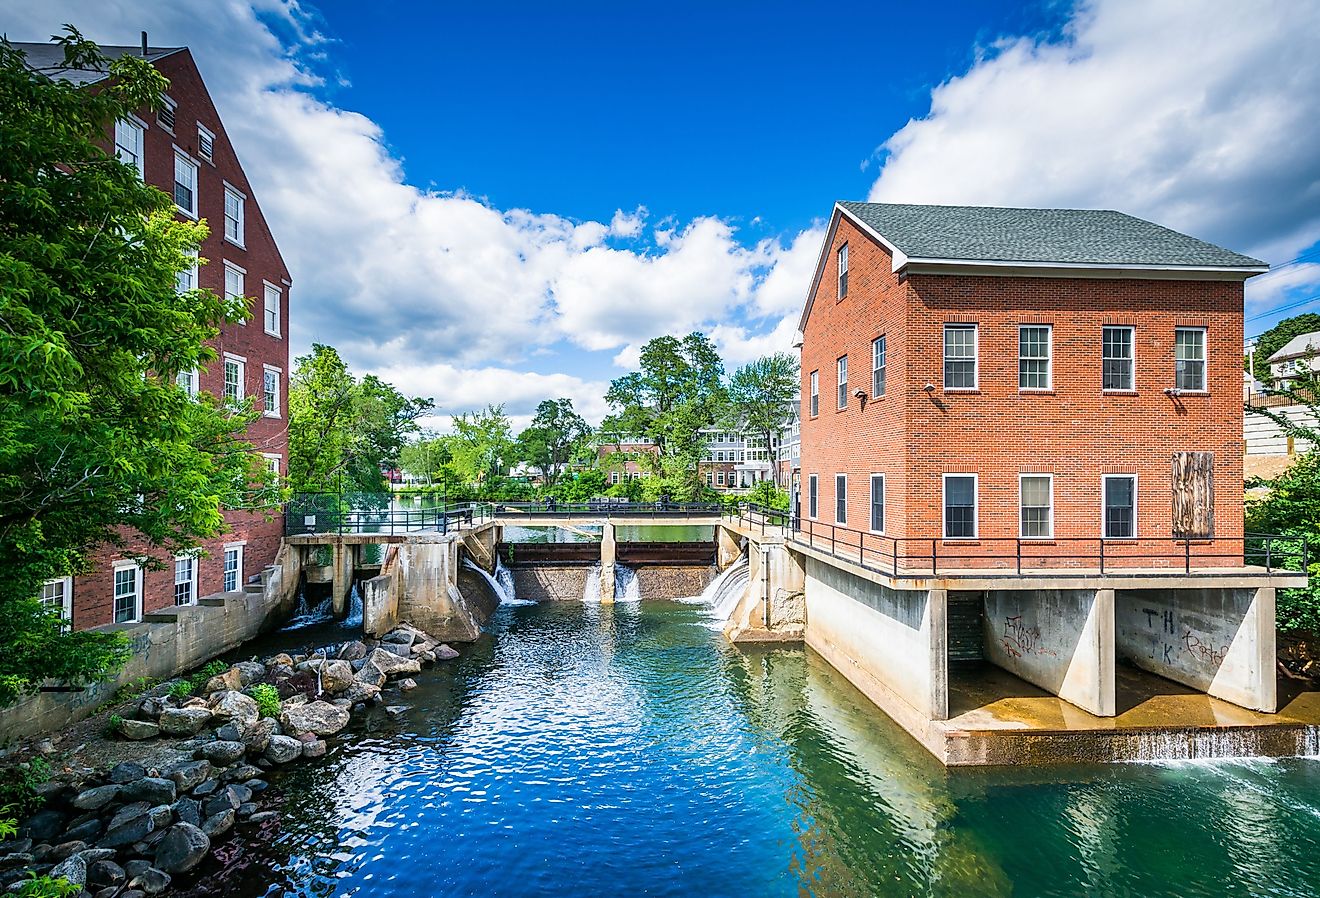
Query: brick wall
[(1075, 431), (261, 261)]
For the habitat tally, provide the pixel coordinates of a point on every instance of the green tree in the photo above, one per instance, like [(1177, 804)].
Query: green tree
[(482, 447), (97, 441), (1274, 339), (343, 431), (760, 397), (677, 393), (553, 439)]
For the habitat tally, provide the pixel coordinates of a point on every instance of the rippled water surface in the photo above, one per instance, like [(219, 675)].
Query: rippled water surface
[(587, 750)]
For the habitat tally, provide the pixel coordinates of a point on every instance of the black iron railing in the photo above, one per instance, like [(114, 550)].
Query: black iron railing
[(608, 509), (1014, 556), (367, 513)]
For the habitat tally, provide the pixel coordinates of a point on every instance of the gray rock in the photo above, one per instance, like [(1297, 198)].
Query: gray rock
[(188, 810), (15, 845), (426, 657), (283, 749), (230, 732), (188, 774), (257, 785), (135, 867), (128, 812), (150, 789), (407, 684), (182, 848), (393, 665), (74, 869), (126, 772), (335, 676), (17, 859), (130, 831), (132, 893), (150, 707), (314, 749), (396, 711), (227, 799), (184, 721), (222, 753), (92, 855), (137, 730), (361, 692), (241, 772), (162, 815), (236, 708), (43, 825), (66, 850), (258, 737), (87, 831), (151, 881), (370, 675), (399, 636), (206, 788), (444, 653), (105, 873), (352, 651), (321, 718), (229, 681), (219, 824), (264, 817), (250, 672), (92, 799), (397, 648), (246, 810)]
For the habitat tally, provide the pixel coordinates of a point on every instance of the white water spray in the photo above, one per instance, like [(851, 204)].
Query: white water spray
[(501, 582), (723, 593), (626, 587)]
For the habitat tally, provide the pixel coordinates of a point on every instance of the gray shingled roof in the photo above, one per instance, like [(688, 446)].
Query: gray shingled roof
[(48, 57), (1066, 236)]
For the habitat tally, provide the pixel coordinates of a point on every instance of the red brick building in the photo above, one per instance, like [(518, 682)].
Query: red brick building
[(184, 150), (974, 379)]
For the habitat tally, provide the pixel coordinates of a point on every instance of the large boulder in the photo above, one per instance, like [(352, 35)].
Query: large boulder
[(250, 672), (370, 675), (231, 680), (320, 718), (335, 676), (98, 797), (221, 752), (182, 848), (137, 730), (236, 708), (151, 789), (258, 737), (353, 650), (74, 869), (443, 652), (361, 692), (392, 665), (184, 721), (187, 774), (283, 749), (131, 828)]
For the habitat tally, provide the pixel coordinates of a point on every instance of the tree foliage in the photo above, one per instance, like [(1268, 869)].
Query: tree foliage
[(343, 431), (482, 446), (677, 393), (96, 439), (1274, 339), (760, 394), (556, 434)]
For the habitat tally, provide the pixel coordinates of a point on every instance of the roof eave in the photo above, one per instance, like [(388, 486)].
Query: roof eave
[(1145, 271)]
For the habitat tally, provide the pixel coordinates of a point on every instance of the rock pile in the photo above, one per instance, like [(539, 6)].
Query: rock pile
[(128, 830)]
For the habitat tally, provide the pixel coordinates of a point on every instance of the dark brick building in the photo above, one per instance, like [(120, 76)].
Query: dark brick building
[(184, 150)]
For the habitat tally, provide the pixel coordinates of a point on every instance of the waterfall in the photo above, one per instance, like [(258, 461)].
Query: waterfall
[(354, 617), (725, 591), (626, 586), (501, 582), (306, 615)]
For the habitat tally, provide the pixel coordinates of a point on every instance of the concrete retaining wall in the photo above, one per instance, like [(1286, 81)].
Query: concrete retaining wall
[(551, 583), (673, 582), (890, 643), (1062, 640), (1221, 641), (167, 643)]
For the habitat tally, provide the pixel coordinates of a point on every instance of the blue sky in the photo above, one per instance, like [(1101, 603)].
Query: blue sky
[(502, 203)]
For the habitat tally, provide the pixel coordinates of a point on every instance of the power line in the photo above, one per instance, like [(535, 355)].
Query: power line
[(1291, 305)]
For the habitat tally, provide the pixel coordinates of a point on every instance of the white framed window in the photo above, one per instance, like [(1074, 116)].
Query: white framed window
[(234, 378), (710, 479), (234, 215), (187, 279), (187, 381), (960, 506), (205, 143), (272, 464), (270, 391), (57, 595), (1034, 356), (1118, 357), (233, 569), (1189, 358), (841, 367), (185, 184), (1119, 500), (185, 579), (843, 271), (960, 357), (815, 394), (129, 143), (813, 495), (719, 479), (235, 286), (127, 592), (878, 366), (840, 498), (877, 503), (271, 309), (1036, 506), (165, 115), (614, 477)]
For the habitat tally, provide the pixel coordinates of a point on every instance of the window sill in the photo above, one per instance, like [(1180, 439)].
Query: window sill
[(184, 212), (1036, 391), (1120, 392), (960, 541), (227, 239), (1038, 540), (1179, 394), (276, 334), (969, 391), (270, 414)]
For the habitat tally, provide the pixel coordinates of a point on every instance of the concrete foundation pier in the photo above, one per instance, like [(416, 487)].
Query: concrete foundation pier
[(608, 555), (345, 560), (727, 547), (774, 607)]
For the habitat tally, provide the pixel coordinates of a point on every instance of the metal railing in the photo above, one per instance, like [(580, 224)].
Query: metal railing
[(1015, 556), (369, 513), (607, 509)]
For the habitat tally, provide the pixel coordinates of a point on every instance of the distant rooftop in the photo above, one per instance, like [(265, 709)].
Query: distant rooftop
[(48, 58), (1298, 347), (1038, 236)]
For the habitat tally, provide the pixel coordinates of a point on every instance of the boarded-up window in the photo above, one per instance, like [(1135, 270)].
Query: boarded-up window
[(1193, 494)]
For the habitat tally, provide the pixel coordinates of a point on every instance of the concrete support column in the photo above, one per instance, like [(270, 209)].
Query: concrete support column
[(341, 577), (727, 549), (1262, 684), (608, 553), (937, 643)]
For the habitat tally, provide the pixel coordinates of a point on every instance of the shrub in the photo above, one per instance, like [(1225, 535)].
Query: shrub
[(133, 688), (18, 786), (213, 669), (267, 698), (8, 824), (181, 690), (114, 725), (47, 887)]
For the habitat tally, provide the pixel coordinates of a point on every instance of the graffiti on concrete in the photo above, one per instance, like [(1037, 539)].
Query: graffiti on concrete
[(1018, 639), (1205, 652)]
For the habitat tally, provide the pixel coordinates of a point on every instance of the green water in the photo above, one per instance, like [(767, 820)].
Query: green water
[(587, 750), (642, 533)]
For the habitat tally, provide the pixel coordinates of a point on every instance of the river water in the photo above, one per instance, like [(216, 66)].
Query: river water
[(587, 750)]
